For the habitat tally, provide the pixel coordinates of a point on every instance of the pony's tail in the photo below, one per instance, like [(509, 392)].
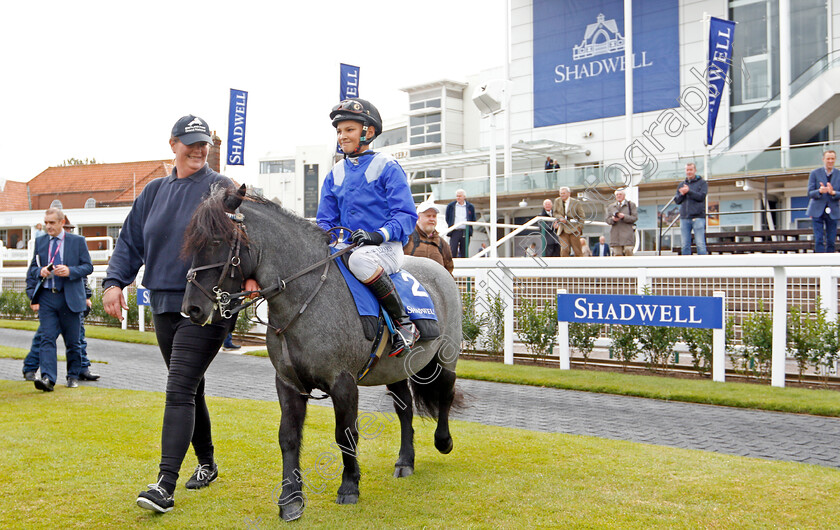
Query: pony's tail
[(432, 386)]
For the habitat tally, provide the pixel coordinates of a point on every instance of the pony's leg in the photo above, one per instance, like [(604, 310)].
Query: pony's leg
[(345, 398), (405, 412), (445, 383), (293, 407)]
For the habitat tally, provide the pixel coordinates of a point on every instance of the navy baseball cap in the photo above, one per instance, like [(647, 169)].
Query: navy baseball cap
[(192, 129)]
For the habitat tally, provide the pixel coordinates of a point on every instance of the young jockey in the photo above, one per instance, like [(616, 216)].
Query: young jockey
[(368, 193)]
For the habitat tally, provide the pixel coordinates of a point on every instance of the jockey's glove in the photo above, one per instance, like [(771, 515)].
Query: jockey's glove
[(363, 237)]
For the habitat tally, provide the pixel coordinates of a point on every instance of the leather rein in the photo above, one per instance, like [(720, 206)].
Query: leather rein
[(222, 299)]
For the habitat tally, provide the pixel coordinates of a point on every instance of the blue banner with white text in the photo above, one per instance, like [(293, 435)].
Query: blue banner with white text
[(236, 127), (642, 310), (720, 56), (579, 58), (349, 82)]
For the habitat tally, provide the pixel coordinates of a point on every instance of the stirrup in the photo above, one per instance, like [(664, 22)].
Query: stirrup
[(404, 337)]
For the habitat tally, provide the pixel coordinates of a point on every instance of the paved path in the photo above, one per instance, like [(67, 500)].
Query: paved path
[(772, 435)]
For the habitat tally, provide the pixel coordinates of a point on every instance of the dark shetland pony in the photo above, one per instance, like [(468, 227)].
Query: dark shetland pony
[(325, 347)]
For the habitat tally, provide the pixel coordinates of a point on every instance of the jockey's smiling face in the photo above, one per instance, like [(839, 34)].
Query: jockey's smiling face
[(349, 135)]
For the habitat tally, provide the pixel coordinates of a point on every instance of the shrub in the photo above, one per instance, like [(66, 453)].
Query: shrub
[(493, 335), (757, 338), (699, 343), (244, 321), (624, 344), (582, 337), (803, 335), (538, 326), (15, 304), (471, 323), (658, 345)]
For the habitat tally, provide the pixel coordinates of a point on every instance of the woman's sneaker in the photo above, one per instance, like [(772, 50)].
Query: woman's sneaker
[(203, 476), (156, 498)]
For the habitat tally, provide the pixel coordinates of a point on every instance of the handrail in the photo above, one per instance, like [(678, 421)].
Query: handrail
[(659, 222)]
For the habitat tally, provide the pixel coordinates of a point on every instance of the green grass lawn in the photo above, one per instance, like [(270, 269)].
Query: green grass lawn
[(78, 458), (92, 332)]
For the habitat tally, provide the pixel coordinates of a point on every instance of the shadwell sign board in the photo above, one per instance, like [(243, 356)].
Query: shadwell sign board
[(642, 310)]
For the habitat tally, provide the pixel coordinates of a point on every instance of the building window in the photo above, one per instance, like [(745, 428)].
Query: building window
[(425, 129), (391, 137), (56, 204), (90, 203), (114, 232), (277, 166)]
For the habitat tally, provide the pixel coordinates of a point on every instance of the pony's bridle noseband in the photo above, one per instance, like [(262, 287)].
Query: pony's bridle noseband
[(222, 299)]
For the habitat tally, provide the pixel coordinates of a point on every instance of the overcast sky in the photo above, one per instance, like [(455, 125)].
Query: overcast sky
[(107, 80)]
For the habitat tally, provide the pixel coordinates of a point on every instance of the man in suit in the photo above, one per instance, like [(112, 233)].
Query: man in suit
[(32, 360), (622, 216), (569, 225), (823, 208), (459, 211), (55, 285), (601, 249), (551, 246)]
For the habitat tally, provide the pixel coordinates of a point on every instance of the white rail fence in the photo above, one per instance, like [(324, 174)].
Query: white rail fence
[(774, 280)]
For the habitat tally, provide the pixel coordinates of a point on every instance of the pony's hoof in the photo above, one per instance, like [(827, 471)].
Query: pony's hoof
[(291, 511), (352, 498), (403, 471), (444, 445)]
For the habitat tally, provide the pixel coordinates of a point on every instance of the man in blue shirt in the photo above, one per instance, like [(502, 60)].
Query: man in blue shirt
[(368, 193)]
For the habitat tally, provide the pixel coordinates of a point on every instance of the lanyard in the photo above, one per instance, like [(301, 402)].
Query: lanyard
[(57, 248)]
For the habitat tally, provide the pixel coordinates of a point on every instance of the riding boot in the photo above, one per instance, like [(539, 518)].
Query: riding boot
[(405, 332)]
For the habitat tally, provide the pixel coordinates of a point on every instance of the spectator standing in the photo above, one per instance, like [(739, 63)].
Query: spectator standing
[(585, 251), (569, 225), (551, 245), (691, 196), (228, 345), (153, 234), (63, 261), (622, 216), (33, 358), (459, 211), (823, 209), (602, 249), (39, 231), (425, 241)]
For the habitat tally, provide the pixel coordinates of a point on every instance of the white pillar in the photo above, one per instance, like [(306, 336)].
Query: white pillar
[(494, 215), (777, 376), (719, 344), (508, 162), (641, 281), (563, 341), (784, 79), (632, 193)]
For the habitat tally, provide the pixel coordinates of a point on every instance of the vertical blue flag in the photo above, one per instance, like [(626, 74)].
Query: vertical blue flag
[(348, 87), (236, 127), (720, 57), (349, 82)]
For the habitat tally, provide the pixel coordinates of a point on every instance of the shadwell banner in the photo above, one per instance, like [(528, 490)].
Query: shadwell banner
[(579, 58)]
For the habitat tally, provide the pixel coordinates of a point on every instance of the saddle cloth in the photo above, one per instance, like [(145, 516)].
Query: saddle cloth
[(418, 304)]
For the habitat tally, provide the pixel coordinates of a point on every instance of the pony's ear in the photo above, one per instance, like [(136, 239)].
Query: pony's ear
[(234, 199)]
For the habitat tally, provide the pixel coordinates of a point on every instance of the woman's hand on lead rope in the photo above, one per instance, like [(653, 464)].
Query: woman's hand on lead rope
[(252, 285)]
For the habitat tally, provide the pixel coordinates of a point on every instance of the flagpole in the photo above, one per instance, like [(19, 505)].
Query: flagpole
[(707, 18)]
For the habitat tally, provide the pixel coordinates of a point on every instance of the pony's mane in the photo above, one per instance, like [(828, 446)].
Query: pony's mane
[(211, 222)]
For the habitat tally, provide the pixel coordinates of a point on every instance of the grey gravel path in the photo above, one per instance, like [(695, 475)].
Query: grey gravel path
[(771, 435)]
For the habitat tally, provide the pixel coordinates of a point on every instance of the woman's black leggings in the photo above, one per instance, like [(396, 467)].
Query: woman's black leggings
[(188, 350)]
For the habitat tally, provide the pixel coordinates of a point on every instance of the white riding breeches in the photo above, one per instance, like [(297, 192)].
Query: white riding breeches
[(364, 261)]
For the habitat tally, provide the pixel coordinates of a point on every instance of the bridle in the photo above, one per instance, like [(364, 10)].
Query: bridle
[(222, 299)]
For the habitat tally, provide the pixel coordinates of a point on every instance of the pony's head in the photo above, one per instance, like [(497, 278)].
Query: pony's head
[(218, 244)]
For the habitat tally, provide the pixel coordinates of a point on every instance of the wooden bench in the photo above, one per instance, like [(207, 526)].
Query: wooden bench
[(749, 241)]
